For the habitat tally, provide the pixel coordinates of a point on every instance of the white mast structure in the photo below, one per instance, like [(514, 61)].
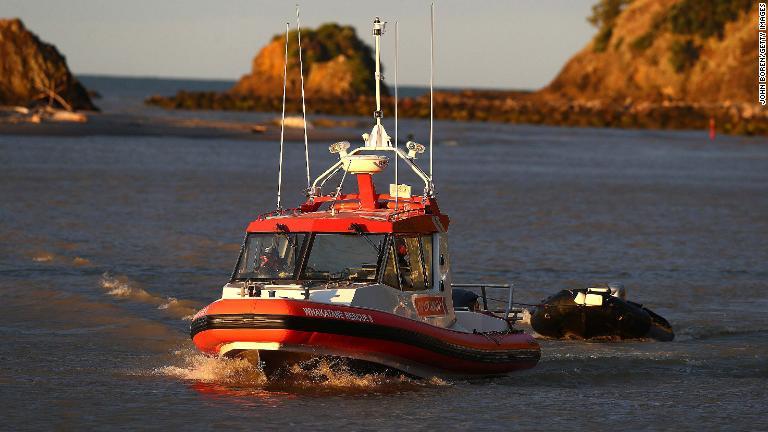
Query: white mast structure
[(397, 183), (431, 81), (378, 140), (378, 136)]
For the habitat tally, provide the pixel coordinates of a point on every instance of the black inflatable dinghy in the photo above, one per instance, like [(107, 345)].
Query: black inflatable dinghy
[(598, 312)]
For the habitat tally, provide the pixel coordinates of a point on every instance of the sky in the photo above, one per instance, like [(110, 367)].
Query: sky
[(512, 44)]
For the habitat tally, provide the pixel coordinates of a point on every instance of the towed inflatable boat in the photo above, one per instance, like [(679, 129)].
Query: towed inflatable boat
[(361, 276), (598, 312)]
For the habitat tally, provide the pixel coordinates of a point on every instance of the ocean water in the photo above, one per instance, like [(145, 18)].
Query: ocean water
[(127, 94), (109, 244)]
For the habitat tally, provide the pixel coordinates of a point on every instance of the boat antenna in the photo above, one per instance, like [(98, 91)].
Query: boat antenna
[(378, 30), (282, 121), (431, 81), (397, 184), (303, 104)]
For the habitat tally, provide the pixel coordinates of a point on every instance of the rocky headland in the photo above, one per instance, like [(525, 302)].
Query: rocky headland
[(34, 73), (338, 69), (672, 64)]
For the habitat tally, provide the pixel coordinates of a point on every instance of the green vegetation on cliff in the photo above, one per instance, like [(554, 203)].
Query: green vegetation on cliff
[(337, 64), (705, 18), (691, 20), (656, 50), (603, 17), (330, 41)]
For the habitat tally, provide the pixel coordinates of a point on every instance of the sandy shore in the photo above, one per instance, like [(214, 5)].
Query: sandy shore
[(112, 124)]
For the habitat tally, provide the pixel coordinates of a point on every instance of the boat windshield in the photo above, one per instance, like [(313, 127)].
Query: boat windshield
[(270, 256), (344, 257)]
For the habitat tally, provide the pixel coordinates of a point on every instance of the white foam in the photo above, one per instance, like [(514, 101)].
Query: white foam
[(124, 288)]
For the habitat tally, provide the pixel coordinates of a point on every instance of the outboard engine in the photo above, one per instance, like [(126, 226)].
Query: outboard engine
[(598, 312), (618, 290), (465, 299)]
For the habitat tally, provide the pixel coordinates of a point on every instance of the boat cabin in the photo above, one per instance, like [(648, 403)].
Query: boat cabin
[(345, 246), (380, 251)]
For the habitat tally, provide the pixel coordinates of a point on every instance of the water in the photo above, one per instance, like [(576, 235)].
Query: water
[(127, 95), (108, 244), (121, 94)]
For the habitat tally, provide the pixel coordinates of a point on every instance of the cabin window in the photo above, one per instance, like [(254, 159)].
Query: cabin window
[(270, 256), (444, 260), (390, 276), (426, 252), (413, 255), (344, 257)]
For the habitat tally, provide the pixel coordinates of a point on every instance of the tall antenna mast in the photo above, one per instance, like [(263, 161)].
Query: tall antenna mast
[(378, 29), (397, 43), (282, 122), (378, 136), (303, 104), (431, 81)]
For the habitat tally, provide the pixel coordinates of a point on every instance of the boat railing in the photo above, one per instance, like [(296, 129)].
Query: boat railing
[(316, 188), (280, 212), (402, 214), (483, 288)]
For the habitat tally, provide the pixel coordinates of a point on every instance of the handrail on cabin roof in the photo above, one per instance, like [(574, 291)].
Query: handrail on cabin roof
[(280, 212), (401, 214), (315, 189)]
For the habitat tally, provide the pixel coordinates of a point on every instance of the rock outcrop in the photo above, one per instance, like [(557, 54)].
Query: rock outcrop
[(337, 65), (33, 72), (666, 50), (667, 64)]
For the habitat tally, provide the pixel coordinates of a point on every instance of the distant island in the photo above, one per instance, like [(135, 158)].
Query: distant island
[(338, 70), (652, 64)]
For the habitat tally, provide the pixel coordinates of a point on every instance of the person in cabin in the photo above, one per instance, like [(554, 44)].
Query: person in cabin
[(269, 263), (404, 263)]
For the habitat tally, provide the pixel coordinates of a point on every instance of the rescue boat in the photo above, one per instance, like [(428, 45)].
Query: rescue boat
[(363, 276)]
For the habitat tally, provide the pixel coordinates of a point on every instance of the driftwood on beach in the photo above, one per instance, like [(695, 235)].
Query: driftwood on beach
[(19, 114)]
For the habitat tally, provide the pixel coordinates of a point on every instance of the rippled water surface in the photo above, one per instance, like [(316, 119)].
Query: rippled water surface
[(108, 244)]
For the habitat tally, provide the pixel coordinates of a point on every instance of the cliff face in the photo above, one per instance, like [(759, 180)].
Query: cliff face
[(32, 71), (666, 50), (337, 64)]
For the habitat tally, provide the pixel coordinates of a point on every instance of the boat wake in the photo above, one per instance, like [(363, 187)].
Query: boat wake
[(122, 287), (317, 376), (714, 332), (206, 369)]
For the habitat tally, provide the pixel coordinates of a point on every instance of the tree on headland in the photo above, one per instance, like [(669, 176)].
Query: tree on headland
[(603, 17)]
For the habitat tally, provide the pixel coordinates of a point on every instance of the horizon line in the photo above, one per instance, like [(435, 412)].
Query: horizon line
[(233, 80)]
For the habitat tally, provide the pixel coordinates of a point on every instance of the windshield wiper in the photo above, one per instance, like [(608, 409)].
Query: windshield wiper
[(361, 232)]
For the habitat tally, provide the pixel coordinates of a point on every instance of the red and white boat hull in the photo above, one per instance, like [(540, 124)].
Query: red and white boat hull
[(311, 328)]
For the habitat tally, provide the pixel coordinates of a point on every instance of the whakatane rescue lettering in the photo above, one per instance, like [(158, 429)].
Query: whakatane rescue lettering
[(336, 314)]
